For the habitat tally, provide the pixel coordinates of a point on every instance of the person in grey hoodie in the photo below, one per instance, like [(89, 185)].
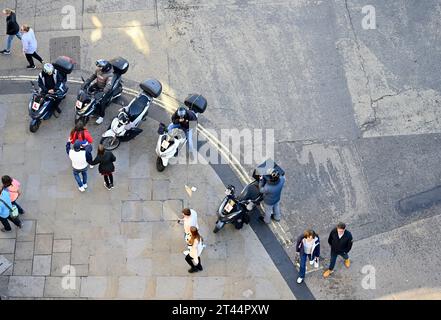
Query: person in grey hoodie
[(12, 29), (271, 189), (29, 46)]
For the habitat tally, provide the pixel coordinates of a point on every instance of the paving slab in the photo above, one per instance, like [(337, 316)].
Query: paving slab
[(58, 287), (24, 250), (7, 246), (43, 243), (41, 265), (23, 268), (62, 245), (26, 286)]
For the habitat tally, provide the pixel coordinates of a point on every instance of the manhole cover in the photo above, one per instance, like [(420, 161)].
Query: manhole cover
[(420, 201), (66, 46)]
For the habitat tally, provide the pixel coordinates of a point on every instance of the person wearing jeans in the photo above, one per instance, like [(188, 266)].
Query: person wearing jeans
[(80, 160), (308, 247), (340, 241), (271, 189), (5, 211), (30, 46), (12, 29)]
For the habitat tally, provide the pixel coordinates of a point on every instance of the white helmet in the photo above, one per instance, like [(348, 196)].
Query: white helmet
[(48, 68)]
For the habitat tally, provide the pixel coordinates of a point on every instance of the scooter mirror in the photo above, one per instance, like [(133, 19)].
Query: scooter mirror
[(83, 79)]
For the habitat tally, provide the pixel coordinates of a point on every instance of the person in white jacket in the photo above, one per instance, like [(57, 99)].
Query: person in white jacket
[(80, 159), (29, 46)]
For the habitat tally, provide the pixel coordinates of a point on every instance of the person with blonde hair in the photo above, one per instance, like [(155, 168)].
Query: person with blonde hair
[(195, 246), (12, 29), (29, 46)]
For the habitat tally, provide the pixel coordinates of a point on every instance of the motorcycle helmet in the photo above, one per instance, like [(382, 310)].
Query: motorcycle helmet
[(181, 112), (103, 65), (48, 68), (274, 174), (123, 118)]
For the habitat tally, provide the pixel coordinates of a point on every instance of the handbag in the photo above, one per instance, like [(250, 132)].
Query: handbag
[(13, 211)]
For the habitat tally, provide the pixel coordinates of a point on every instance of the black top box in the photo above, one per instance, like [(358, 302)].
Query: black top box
[(120, 65), (152, 87), (196, 102), (64, 64), (263, 168)]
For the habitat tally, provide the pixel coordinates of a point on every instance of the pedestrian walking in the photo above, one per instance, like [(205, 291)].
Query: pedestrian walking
[(8, 211), (189, 219), (271, 189), (12, 29), (30, 46), (80, 159), (193, 255), (13, 186), (105, 159), (308, 247), (340, 241)]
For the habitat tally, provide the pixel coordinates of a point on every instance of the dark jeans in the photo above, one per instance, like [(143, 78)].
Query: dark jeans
[(189, 260), (6, 224), (334, 259), (20, 209), (33, 55), (108, 179), (303, 258), (76, 174)]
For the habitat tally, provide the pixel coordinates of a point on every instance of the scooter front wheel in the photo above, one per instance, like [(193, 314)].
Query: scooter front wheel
[(159, 165), (34, 125), (110, 143), (219, 225)]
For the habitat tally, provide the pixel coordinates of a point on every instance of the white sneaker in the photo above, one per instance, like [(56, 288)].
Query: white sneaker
[(81, 189), (85, 186), (316, 264), (91, 166), (311, 262), (99, 120), (299, 280)]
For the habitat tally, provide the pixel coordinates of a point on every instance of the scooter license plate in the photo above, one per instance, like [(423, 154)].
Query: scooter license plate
[(35, 106), (79, 104), (229, 206), (165, 144)]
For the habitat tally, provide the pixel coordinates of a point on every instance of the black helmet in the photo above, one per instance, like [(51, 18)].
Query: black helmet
[(182, 111), (274, 174), (104, 65)]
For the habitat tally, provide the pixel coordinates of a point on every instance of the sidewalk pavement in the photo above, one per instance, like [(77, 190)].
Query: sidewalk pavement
[(123, 243)]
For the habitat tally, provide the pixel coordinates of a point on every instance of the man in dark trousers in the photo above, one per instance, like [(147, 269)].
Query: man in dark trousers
[(340, 241)]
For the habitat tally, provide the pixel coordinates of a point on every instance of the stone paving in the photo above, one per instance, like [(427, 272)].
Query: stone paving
[(124, 243)]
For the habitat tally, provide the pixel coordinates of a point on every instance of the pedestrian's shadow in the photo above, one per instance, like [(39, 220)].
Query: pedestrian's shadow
[(420, 201)]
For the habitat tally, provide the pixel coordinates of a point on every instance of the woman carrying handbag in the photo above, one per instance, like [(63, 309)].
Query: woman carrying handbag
[(8, 211)]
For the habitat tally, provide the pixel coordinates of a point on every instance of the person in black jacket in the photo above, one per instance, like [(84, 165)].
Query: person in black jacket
[(340, 241), (12, 29), (105, 159), (183, 119)]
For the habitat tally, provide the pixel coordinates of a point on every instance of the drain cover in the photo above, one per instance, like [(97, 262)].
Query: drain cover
[(66, 46), (5, 264)]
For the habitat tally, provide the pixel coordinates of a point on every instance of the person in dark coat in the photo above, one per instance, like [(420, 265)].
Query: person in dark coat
[(340, 241), (105, 159), (12, 29)]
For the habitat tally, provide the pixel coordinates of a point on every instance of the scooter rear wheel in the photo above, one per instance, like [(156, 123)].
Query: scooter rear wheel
[(110, 143), (34, 127), (159, 165)]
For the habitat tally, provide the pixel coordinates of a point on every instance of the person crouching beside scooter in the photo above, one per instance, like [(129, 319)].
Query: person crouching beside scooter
[(271, 189), (51, 81), (182, 119)]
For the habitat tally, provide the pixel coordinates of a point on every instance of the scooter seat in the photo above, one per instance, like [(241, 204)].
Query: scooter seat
[(137, 107), (250, 192)]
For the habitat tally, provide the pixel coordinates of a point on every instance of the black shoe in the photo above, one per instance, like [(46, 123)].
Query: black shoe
[(191, 270), (272, 217), (58, 109), (5, 52), (31, 67), (55, 114), (262, 219), (4, 230), (23, 212), (200, 268)]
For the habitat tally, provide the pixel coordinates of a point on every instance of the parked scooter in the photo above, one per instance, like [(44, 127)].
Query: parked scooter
[(87, 100), (236, 210), (124, 127), (170, 143), (41, 106)]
